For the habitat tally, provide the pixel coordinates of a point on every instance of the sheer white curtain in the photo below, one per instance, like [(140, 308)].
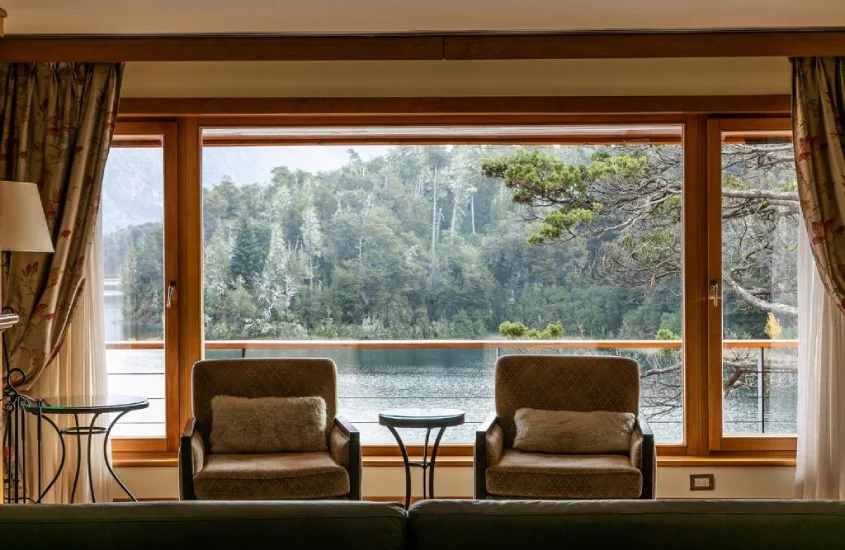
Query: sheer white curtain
[(821, 384), (80, 369)]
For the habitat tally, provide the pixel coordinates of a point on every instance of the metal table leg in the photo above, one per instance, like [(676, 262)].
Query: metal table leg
[(75, 431), (90, 473), (433, 460), (407, 466), (424, 464), (108, 462)]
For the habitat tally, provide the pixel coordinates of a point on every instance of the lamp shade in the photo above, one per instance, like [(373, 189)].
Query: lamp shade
[(23, 227)]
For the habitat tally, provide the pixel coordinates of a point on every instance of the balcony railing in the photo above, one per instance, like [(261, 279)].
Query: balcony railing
[(432, 376), (244, 345)]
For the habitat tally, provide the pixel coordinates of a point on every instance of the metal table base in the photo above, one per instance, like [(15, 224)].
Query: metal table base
[(79, 431)]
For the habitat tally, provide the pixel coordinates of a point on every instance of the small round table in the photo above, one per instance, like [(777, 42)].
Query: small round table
[(95, 405), (427, 419)]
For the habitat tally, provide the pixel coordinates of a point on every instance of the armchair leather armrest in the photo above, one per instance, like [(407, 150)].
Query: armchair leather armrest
[(345, 448), (488, 449), (191, 459), (648, 456)]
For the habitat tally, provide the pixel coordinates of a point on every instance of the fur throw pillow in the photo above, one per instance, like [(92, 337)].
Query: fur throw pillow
[(267, 424), (570, 432)]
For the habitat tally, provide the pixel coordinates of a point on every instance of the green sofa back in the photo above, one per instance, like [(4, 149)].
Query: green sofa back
[(204, 526), (627, 525), (430, 525)]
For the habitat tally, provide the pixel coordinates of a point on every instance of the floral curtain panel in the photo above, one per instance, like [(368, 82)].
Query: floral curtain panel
[(56, 125), (818, 105), (819, 129)]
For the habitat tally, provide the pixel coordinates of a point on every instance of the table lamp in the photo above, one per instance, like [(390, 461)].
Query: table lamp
[(23, 228)]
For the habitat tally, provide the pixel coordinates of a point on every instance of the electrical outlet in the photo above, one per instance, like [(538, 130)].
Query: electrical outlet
[(702, 482)]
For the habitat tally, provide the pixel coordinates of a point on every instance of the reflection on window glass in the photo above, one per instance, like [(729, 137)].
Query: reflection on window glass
[(567, 243), (760, 215), (132, 212)]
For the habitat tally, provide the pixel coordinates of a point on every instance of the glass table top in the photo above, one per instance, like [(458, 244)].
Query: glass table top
[(421, 418), (421, 414), (89, 403)]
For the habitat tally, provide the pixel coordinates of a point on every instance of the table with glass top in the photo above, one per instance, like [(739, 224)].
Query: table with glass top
[(94, 405), (427, 419)]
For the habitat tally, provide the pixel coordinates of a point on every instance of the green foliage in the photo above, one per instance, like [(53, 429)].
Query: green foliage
[(515, 330), (666, 334), (423, 242), (552, 331), (509, 329)]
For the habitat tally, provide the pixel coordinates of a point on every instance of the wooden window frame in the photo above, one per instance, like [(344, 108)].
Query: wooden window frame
[(703, 444), (720, 442), (166, 130)]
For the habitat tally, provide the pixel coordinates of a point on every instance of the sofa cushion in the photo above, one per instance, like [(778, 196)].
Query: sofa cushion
[(267, 424), (627, 525), (271, 477), (205, 526), (536, 475), (573, 432)]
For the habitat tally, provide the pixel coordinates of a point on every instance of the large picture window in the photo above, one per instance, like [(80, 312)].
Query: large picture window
[(415, 262), (415, 256)]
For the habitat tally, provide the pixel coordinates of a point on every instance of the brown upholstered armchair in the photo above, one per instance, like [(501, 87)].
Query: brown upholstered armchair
[(332, 474), (549, 382)]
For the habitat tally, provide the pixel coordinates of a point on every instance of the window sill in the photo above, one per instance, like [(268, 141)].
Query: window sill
[(140, 459), (757, 460)]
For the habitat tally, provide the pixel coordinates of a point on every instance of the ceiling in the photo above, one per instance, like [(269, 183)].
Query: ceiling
[(349, 16)]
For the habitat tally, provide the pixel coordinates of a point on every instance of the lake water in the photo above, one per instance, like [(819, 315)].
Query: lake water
[(368, 381)]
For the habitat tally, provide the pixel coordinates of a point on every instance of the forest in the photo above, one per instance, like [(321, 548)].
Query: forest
[(475, 241)]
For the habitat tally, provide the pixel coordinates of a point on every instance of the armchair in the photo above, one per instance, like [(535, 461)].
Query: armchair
[(333, 474), (570, 383)]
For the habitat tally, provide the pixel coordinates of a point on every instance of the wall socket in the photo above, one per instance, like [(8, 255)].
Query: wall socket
[(702, 482)]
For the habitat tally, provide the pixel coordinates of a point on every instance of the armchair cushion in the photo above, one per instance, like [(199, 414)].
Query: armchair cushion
[(339, 447), (197, 452), (572, 432), (495, 445), (313, 475), (267, 424), (563, 383), (520, 475), (636, 451)]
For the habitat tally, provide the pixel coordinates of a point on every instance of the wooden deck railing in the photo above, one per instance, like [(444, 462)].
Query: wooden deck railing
[(449, 344)]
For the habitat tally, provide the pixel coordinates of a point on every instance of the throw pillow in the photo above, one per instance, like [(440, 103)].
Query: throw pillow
[(267, 424), (570, 432)]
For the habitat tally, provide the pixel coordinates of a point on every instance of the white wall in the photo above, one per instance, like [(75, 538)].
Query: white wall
[(570, 77), (730, 482), (344, 16)]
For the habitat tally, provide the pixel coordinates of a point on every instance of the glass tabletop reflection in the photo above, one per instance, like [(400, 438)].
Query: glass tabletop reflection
[(421, 417), (102, 403)]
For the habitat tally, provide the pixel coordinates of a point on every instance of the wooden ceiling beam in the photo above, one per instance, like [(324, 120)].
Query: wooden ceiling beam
[(451, 47), (438, 106), (596, 45), (35, 49)]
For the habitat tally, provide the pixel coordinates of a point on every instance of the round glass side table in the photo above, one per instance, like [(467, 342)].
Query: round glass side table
[(94, 405), (428, 419)]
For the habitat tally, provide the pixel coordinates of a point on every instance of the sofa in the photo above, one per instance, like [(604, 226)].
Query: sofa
[(429, 525)]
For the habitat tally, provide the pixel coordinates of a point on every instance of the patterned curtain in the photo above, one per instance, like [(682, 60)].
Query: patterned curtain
[(56, 125), (818, 115)]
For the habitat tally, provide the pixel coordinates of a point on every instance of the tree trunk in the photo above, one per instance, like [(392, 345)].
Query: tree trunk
[(434, 222), (452, 225), (472, 211), (311, 276)]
